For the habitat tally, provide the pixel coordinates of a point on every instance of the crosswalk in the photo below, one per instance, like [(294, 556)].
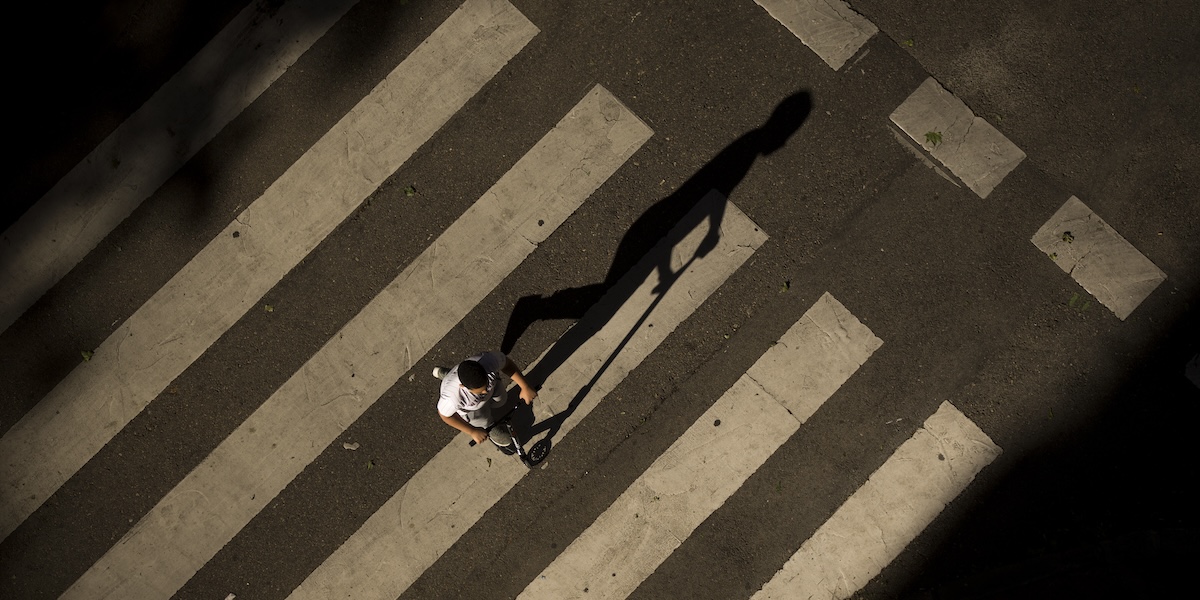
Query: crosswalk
[(308, 412), (713, 458), (389, 339), (131, 163), (454, 489), (902, 497), (139, 360)]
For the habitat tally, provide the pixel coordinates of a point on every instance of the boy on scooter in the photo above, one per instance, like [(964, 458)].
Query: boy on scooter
[(472, 393)]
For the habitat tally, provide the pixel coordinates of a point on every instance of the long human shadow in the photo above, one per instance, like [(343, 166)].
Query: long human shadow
[(673, 215)]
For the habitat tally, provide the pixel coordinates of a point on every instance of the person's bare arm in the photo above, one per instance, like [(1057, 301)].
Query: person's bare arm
[(528, 394)]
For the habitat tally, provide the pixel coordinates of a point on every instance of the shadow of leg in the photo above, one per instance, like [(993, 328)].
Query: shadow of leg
[(524, 313), (570, 303)]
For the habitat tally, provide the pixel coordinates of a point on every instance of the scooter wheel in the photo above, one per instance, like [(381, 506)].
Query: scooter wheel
[(538, 451)]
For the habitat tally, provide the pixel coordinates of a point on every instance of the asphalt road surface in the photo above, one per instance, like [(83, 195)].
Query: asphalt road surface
[(886, 300)]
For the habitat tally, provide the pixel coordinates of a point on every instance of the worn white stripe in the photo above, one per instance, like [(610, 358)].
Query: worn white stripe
[(451, 492), (899, 500), (709, 462), (1096, 256), (369, 354), (231, 274), (946, 128), (829, 27), (229, 73)]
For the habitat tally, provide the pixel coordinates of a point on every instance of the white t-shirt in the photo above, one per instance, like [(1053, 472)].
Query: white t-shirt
[(456, 399)]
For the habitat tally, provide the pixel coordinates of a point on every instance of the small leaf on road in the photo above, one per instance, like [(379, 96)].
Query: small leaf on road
[(349, 446), (933, 138), (87, 355)]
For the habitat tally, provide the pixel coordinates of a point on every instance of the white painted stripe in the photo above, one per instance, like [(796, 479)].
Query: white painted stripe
[(1096, 256), (969, 146), (369, 354), (708, 463), (829, 27), (899, 500), (229, 73), (231, 274), (451, 492)]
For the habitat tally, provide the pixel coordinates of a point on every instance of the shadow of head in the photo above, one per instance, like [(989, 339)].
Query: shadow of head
[(784, 121)]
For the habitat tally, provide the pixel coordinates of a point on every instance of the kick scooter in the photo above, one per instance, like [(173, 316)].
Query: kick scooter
[(505, 422), (516, 446)]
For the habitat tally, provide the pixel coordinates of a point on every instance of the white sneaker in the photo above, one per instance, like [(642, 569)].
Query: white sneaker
[(440, 372)]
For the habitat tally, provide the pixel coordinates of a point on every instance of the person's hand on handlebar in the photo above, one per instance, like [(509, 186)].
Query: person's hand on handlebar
[(479, 435), (528, 395)]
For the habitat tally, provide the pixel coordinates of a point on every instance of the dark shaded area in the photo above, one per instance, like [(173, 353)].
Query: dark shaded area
[(1105, 512), (91, 67), (227, 383), (722, 174), (124, 53), (107, 60)]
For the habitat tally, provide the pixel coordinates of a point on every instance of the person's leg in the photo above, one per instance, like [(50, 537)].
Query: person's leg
[(499, 434), (500, 437), (484, 418), (481, 418)]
